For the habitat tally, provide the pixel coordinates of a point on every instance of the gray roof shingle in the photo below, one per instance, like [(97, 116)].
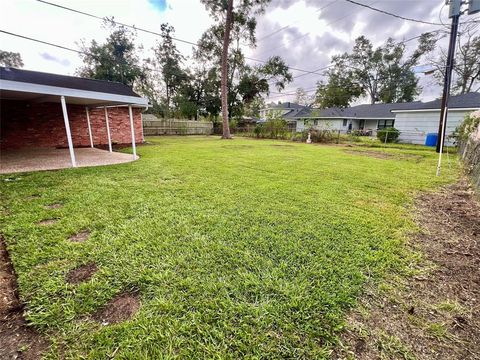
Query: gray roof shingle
[(468, 100), (64, 81), (365, 111)]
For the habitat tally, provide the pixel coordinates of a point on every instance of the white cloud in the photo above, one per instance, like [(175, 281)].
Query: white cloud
[(55, 25), (313, 30)]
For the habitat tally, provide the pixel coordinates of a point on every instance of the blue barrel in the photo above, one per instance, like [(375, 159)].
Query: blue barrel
[(431, 139)]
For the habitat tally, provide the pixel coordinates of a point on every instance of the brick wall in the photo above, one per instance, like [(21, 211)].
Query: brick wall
[(26, 124)]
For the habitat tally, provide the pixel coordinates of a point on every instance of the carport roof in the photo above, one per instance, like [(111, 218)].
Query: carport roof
[(64, 81), (40, 86)]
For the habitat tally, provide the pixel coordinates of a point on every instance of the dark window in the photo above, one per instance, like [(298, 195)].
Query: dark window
[(315, 122), (344, 122), (382, 124)]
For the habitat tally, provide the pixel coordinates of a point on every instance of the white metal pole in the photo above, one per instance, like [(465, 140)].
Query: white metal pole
[(89, 127), (132, 129), (67, 129), (108, 130)]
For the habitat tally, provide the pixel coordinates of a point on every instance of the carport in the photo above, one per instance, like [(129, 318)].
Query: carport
[(43, 115)]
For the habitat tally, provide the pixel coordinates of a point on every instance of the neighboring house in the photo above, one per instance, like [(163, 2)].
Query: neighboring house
[(287, 110), (414, 120), (367, 118), (47, 110), (420, 119)]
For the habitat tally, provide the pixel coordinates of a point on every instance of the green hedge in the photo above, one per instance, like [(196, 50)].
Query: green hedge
[(388, 135)]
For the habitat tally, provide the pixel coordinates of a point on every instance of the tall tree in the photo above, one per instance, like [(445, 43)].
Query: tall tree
[(466, 70), (115, 60), (10, 59), (301, 97), (241, 20), (384, 74), (169, 62)]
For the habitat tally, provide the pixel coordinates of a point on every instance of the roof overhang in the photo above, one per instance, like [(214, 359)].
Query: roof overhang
[(15, 90), (426, 110)]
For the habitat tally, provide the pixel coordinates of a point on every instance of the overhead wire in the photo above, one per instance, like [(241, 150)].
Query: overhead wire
[(149, 31)]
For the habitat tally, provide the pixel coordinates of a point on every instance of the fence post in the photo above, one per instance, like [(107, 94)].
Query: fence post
[(386, 137), (338, 137)]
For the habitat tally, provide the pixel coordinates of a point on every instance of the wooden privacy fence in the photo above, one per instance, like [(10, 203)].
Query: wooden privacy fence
[(154, 126)]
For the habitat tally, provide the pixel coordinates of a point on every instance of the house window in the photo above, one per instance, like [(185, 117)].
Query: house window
[(344, 122), (315, 122), (382, 124), (305, 122)]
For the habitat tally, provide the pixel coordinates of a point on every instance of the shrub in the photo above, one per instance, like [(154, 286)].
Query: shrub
[(276, 129), (258, 130), (233, 124), (388, 135), (321, 136), (272, 129), (469, 125)]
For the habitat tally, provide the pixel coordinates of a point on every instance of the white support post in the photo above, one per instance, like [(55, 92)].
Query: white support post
[(67, 129), (108, 130), (132, 130), (89, 127)]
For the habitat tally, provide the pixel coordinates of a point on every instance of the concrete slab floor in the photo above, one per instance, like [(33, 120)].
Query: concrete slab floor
[(35, 159)]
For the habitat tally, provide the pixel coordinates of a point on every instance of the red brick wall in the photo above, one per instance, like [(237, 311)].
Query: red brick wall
[(26, 124)]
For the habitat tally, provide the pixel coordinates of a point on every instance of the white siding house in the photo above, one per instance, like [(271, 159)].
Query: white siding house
[(414, 120), (414, 125)]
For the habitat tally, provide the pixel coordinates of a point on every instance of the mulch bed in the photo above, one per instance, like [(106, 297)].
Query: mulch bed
[(17, 339), (436, 313)]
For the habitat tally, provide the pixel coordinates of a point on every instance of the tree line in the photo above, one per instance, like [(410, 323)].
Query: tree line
[(217, 83)]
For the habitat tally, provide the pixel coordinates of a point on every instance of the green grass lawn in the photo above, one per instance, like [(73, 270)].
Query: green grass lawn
[(238, 249)]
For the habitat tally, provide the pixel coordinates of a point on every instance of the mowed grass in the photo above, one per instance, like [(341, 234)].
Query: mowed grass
[(238, 249)]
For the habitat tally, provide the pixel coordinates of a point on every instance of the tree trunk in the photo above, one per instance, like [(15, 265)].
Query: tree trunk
[(224, 81)]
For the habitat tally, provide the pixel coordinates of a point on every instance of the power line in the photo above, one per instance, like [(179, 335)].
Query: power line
[(328, 66), (306, 34), (114, 21), (58, 46), (392, 14), (75, 50), (44, 42), (287, 26), (150, 31)]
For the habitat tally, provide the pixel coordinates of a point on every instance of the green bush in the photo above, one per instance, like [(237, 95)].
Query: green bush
[(317, 136), (272, 129), (468, 126), (258, 130), (233, 124), (388, 135)]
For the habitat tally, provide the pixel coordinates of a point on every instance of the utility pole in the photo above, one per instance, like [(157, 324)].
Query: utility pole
[(454, 14)]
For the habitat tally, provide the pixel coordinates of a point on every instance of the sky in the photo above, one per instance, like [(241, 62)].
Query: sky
[(305, 33)]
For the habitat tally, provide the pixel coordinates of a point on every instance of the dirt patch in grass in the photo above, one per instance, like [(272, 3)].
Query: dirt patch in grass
[(237, 146), (33, 197), (282, 145), (82, 273), (54, 206), (47, 222), (384, 155), (80, 236), (121, 308), (17, 340), (436, 313)]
